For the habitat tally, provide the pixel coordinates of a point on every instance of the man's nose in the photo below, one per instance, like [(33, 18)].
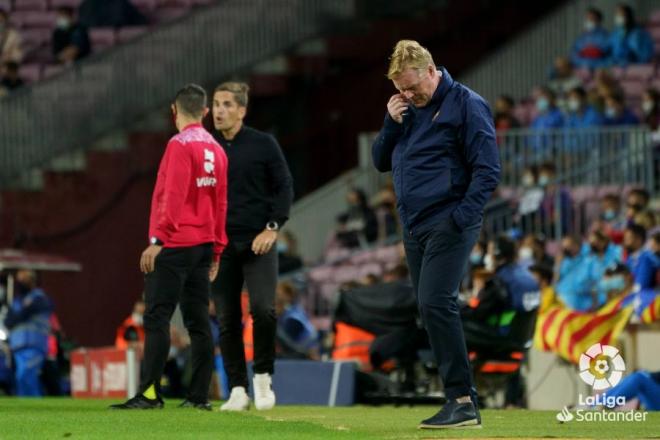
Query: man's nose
[(408, 95)]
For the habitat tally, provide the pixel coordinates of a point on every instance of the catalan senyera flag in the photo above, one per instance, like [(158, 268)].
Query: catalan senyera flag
[(569, 333), (651, 312)]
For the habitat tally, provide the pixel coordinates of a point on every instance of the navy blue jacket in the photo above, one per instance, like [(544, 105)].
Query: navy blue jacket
[(443, 157)]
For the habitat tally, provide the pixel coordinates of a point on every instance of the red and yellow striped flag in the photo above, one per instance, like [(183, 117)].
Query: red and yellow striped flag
[(651, 312), (569, 333)]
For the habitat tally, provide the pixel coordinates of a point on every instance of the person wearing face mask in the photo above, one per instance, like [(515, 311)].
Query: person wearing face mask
[(569, 262), (592, 47), (70, 39), (28, 322), (532, 251), (287, 254), (616, 113), (617, 280), (511, 290), (11, 50), (580, 113), (547, 181), (651, 108), (637, 202), (643, 263), (631, 44), (562, 80), (548, 117), (131, 331)]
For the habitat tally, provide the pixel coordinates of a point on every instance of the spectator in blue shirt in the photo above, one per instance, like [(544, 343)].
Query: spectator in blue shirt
[(592, 47), (549, 115), (616, 113), (580, 113), (642, 262), (630, 42)]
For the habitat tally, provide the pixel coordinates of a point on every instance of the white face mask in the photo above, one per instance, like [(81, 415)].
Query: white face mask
[(619, 20), (528, 180), (525, 253), (647, 106), (544, 180), (610, 112), (489, 263), (589, 25), (573, 105), (137, 318), (62, 22)]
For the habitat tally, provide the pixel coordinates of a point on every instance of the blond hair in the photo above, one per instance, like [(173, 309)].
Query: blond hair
[(240, 91), (408, 53)]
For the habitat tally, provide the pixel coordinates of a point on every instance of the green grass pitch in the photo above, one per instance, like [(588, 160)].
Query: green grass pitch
[(58, 418)]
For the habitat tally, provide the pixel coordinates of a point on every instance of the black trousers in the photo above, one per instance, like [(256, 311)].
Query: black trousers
[(438, 259), (239, 264), (180, 275)]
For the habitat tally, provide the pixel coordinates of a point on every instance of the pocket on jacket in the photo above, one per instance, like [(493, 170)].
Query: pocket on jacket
[(428, 188)]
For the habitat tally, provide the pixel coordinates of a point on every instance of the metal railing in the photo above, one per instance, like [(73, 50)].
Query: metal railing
[(116, 88)]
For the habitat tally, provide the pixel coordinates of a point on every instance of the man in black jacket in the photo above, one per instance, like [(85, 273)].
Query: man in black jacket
[(259, 198)]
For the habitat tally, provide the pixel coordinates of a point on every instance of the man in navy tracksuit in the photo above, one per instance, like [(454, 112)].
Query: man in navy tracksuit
[(439, 141)]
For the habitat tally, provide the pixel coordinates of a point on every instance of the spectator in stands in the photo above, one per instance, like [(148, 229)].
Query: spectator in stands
[(130, 334), (10, 78), (511, 290), (637, 201), (296, 336), (504, 118), (578, 283), (549, 115), (385, 209), (612, 219), (643, 263), (617, 281), (360, 225), (544, 275), (28, 322), (569, 262), (605, 85), (531, 198), (591, 49), (646, 219), (532, 252), (651, 108), (110, 13), (563, 80), (10, 41), (287, 253), (580, 113), (70, 38), (477, 255), (616, 113), (547, 180), (630, 42), (641, 385)]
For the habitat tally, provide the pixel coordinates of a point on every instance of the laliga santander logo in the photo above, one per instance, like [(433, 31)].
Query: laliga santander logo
[(601, 366)]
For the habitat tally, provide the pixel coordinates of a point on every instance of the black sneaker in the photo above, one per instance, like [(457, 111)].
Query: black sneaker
[(189, 404), (453, 415), (139, 402)]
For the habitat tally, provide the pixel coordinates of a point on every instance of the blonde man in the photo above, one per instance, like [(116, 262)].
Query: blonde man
[(438, 140)]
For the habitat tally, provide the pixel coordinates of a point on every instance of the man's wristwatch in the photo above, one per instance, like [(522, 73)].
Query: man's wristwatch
[(156, 241), (272, 226)]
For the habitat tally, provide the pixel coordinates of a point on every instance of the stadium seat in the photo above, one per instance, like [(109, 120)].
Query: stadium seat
[(102, 38), (35, 38), (173, 3), (617, 72), (52, 70), (654, 18), (5, 5), (54, 4), (30, 72), (633, 88), (640, 72), (30, 5), (146, 6), (584, 74), (128, 33), (164, 15), (33, 19)]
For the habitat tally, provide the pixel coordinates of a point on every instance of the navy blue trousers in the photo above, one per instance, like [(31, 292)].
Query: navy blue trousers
[(438, 259)]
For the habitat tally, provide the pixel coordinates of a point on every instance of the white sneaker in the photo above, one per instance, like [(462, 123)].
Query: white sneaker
[(264, 397), (238, 400)]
